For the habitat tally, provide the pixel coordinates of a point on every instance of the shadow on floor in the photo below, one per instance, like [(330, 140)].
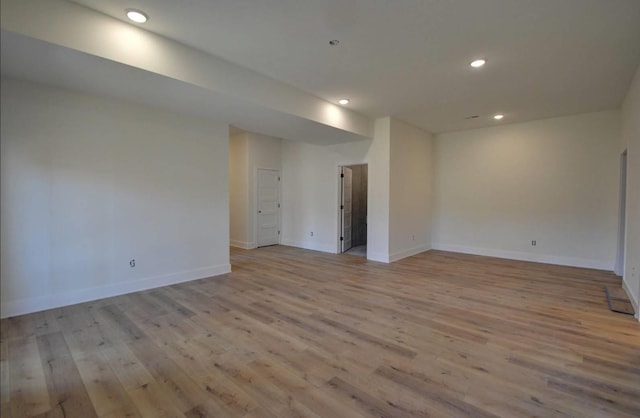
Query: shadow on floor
[(360, 250)]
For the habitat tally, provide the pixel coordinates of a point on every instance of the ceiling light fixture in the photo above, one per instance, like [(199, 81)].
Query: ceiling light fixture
[(478, 63), (498, 116), (137, 16), (343, 101)]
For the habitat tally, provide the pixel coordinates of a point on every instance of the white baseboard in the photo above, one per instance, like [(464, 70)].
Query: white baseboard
[(632, 298), (307, 245), (381, 257), (523, 256), (243, 244), (399, 255), (41, 303)]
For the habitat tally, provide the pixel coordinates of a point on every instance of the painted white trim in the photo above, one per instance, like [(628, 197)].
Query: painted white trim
[(399, 255), (339, 200), (243, 244), (523, 256), (632, 298), (25, 306), (622, 216), (308, 245), (381, 257), (254, 207)]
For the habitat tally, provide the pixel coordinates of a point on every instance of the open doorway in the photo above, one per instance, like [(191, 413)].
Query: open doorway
[(353, 209)]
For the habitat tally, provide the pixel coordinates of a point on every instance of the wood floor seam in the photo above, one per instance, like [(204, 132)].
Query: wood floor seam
[(297, 333)]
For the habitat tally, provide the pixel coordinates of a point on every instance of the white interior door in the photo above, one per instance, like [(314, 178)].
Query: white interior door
[(268, 196), (347, 190)]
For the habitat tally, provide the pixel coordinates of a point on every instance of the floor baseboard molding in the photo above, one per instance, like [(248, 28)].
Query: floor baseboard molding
[(243, 244), (524, 256), (41, 303), (408, 253), (380, 257), (634, 301), (308, 246)]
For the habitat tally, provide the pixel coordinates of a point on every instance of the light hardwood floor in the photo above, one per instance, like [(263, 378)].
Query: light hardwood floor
[(299, 333)]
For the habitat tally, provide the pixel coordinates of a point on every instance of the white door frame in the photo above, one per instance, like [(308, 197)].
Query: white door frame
[(339, 199), (346, 202), (255, 203), (622, 215)]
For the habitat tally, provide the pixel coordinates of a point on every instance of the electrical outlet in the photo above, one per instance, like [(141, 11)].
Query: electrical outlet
[(132, 263), (533, 243), (311, 233)]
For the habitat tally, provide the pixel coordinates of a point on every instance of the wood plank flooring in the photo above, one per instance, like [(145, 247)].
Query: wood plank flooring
[(296, 333)]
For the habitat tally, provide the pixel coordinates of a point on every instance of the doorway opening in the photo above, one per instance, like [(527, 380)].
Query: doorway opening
[(622, 215), (353, 209), (268, 207)]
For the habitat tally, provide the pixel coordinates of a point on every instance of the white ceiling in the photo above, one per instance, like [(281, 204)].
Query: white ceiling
[(409, 58), (23, 57)]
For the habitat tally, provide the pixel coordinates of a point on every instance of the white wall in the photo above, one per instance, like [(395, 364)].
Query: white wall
[(554, 181), (631, 142), (410, 191), (247, 152), (239, 191), (399, 191), (379, 192), (89, 183), (310, 191)]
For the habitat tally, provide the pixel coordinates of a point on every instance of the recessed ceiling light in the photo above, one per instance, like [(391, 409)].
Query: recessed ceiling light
[(343, 101), (498, 116), (137, 16), (478, 63)]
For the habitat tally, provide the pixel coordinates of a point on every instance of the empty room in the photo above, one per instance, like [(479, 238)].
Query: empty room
[(320, 208)]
